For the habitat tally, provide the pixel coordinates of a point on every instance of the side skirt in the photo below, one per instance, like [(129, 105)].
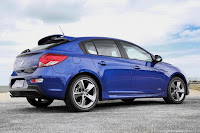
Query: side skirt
[(118, 95)]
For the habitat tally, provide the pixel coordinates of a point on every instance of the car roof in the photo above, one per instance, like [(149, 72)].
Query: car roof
[(90, 38), (81, 39), (71, 39)]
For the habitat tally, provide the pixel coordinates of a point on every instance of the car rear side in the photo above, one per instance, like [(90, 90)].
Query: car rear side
[(44, 71)]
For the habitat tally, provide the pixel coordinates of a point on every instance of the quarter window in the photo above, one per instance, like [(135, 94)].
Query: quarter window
[(135, 52), (90, 48), (107, 48)]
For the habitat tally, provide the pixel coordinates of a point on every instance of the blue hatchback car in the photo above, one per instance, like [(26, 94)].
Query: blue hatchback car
[(83, 70)]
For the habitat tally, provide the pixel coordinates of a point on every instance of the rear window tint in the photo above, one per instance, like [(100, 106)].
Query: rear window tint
[(90, 48), (107, 48), (42, 47)]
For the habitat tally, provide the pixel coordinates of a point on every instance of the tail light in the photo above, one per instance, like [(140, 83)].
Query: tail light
[(51, 59)]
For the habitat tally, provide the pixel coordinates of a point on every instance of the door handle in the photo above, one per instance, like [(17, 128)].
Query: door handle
[(103, 63), (136, 67)]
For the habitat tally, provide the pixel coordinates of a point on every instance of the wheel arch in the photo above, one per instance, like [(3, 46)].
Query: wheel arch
[(180, 75), (95, 77)]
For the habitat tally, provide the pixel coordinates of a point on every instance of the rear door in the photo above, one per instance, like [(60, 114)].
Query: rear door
[(114, 70), (146, 77)]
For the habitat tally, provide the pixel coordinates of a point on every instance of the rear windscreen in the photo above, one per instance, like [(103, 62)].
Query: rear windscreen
[(42, 47)]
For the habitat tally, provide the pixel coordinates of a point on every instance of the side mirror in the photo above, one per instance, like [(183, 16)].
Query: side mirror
[(158, 58)]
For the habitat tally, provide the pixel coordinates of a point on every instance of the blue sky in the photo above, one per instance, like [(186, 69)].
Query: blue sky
[(169, 28)]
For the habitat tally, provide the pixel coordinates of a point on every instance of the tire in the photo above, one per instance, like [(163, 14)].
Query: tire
[(82, 94), (176, 91), (38, 102), (128, 100)]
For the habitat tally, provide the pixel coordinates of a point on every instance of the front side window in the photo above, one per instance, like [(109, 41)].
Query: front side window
[(135, 52), (90, 48), (107, 48)]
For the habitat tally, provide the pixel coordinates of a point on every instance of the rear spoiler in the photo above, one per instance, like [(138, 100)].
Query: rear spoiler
[(55, 39)]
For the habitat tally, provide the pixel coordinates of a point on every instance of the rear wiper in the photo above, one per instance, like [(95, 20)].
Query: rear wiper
[(25, 51)]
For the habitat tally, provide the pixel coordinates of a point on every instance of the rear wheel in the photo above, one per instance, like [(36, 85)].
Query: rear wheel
[(128, 100), (176, 91), (82, 94), (38, 102)]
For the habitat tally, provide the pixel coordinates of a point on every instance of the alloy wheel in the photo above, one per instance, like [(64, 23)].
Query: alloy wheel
[(84, 93), (177, 90)]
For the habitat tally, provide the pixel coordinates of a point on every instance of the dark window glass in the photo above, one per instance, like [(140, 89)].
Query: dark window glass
[(107, 48), (90, 48), (135, 52)]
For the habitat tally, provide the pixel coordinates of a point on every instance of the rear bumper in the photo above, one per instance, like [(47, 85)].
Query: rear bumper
[(33, 91), (54, 84)]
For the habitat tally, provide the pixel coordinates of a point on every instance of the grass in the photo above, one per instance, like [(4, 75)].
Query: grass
[(4, 89), (195, 86)]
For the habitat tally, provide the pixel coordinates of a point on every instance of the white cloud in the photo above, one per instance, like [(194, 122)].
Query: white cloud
[(143, 22), (189, 64), (188, 33), (149, 23), (55, 11), (177, 53)]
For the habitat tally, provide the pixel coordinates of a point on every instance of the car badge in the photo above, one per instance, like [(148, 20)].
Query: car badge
[(21, 62)]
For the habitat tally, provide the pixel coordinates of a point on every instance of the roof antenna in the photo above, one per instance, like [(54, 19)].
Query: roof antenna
[(61, 30)]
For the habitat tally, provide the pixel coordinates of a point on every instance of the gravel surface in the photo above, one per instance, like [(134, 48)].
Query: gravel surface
[(143, 115)]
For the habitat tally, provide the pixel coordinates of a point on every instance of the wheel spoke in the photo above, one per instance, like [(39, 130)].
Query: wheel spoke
[(92, 98), (173, 86), (81, 84), (173, 93), (181, 91), (89, 87), (82, 101), (78, 94), (178, 84), (177, 96)]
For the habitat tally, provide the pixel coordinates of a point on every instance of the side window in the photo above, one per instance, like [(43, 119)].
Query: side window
[(90, 48), (107, 48), (135, 52)]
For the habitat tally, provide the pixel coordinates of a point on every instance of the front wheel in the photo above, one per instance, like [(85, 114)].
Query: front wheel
[(82, 94), (38, 102), (176, 91)]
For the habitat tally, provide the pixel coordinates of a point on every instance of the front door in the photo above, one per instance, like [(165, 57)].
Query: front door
[(146, 78)]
